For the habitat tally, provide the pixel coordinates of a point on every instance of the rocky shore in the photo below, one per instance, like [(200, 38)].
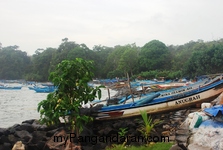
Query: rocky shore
[(35, 136), (98, 135), (32, 134)]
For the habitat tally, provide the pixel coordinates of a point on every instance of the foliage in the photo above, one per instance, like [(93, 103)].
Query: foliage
[(122, 131), (153, 60), (100, 58), (41, 64), (70, 78), (207, 61), (148, 124), (14, 63), (129, 59), (115, 73), (156, 146), (158, 74), (154, 55), (113, 58)]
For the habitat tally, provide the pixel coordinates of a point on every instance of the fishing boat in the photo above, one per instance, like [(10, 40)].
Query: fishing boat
[(159, 102), (43, 88), (46, 89), (10, 87)]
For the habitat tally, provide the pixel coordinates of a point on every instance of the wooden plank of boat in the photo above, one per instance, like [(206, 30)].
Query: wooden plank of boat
[(111, 114)]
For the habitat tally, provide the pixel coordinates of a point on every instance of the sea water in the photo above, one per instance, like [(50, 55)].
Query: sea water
[(17, 106)]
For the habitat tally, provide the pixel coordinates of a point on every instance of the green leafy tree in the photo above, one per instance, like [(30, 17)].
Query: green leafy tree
[(100, 58), (154, 56), (129, 59), (113, 60), (41, 62), (71, 78), (13, 63), (207, 61)]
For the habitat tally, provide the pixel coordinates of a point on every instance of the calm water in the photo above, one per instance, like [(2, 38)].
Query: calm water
[(20, 105)]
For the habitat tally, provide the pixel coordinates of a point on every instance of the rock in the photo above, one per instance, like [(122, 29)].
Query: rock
[(105, 131), (15, 127), (117, 124), (172, 138), (4, 139), (37, 126), (87, 132), (97, 146), (6, 146), (166, 133), (27, 127), (3, 131), (38, 136), (29, 121), (130, 124), (24, 135), (133, 131), (181, 138), (12, 138), (18, 146), (177, 147), (32, 147), (41, 145), (51, 132), (88, 147), (35, 135), (182, 132), (166, 127)]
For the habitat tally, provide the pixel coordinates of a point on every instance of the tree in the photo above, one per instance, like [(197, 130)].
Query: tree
[(101, 56), (41, 62), (13, 63), (113, 61), (154, 56), (206, 61), (129, 59), (71, 78)]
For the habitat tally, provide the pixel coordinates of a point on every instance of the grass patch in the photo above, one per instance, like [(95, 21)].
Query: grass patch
[(155, 146)]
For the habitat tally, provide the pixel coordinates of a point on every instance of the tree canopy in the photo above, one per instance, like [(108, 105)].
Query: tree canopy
[(151, 60)]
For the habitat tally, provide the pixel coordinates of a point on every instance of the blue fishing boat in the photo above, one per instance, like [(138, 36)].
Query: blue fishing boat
[(159, 102), (43, 87), (10, 87), (47, 89)]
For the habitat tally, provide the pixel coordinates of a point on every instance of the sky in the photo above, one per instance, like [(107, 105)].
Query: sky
[(33, 24)]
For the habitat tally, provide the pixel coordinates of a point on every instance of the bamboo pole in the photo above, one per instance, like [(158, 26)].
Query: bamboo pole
[(108, 93), (129, 85)]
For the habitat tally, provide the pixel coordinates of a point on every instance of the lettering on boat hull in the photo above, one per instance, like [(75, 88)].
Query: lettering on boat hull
[(188, 99), (177, 91)]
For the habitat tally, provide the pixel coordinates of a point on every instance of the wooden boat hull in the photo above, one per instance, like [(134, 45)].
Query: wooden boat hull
[(185, 100)]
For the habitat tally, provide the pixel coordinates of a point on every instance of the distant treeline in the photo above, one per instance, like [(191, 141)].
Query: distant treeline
[(153, 60)]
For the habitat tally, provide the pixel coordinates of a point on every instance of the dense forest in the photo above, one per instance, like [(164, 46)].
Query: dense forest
[(153, 60)]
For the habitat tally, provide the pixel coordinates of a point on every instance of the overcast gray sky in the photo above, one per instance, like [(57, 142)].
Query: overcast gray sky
[(33, 24)]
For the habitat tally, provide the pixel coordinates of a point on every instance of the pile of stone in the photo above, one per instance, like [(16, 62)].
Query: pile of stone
[(31, 133), (35, 136)]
